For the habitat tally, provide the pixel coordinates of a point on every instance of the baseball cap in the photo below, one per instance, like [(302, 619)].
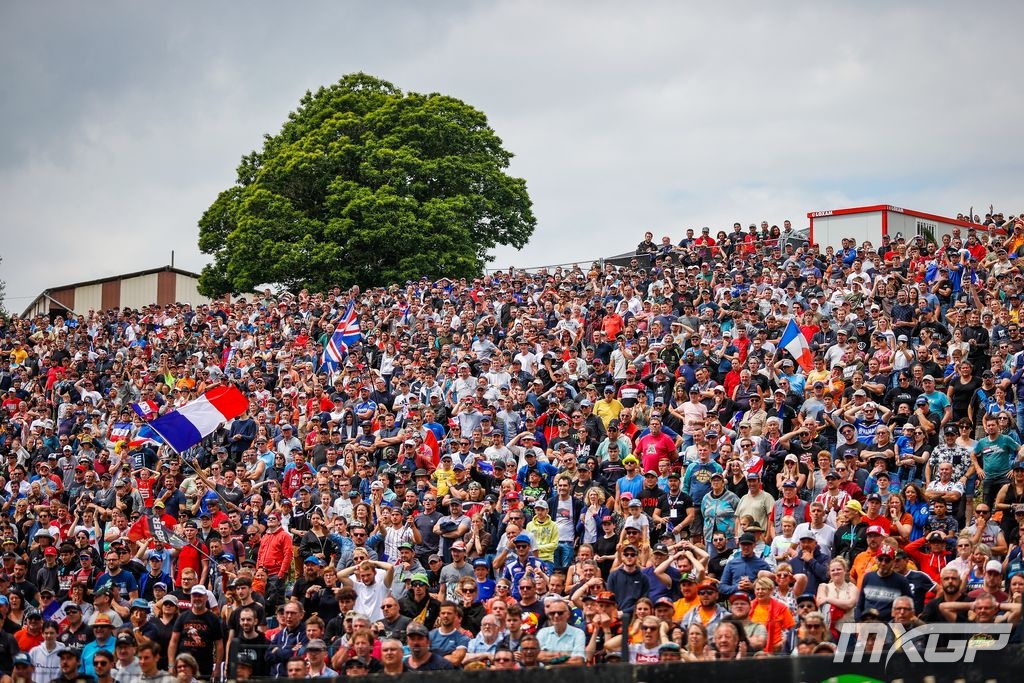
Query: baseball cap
[(416, 628), (855, 506), (876, 529), (994, 566), (317, 644), (808, 597)]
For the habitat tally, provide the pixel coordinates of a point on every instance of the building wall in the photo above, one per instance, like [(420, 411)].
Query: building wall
[(88, 298), (111, 294), (165, 287), (830, 230), (186, 291), (901, 223), (139, 291), (66, 297)]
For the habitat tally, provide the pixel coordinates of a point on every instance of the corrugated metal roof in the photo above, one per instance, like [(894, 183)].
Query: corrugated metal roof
[(138, 273)]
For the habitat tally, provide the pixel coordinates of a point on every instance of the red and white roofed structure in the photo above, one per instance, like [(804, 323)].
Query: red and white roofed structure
[(869, 223)]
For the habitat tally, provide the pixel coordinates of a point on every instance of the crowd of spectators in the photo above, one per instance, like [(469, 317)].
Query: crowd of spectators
[(572, 466)]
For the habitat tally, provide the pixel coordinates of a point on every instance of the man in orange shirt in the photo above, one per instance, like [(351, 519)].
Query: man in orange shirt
[(865, 561), (689, 599)]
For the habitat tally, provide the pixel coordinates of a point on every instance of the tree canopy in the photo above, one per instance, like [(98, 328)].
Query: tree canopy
[(366, 185)]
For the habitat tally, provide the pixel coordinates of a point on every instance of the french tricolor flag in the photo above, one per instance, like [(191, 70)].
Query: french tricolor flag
[(147, 410), (190, 424), (794, 341)]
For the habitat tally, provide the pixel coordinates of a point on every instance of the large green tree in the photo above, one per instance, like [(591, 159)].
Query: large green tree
[(367, 185)]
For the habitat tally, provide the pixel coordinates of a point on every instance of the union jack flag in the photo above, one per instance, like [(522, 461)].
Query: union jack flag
[(345, 335)]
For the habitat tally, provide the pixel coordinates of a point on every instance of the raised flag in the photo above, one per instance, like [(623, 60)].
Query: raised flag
[(147, 436), (162, 534), (147, 410), (120, 431), (345, 335), (139, 530), (185, 427), (794, 341)]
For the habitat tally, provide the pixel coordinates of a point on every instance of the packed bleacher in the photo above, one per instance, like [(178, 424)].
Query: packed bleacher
[(730, 446)]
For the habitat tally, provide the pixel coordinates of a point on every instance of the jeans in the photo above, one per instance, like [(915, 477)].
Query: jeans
[(564, 554), (990, 488)]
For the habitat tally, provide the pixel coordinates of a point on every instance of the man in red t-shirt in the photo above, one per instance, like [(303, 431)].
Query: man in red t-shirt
[(654, 446), (192, 556)]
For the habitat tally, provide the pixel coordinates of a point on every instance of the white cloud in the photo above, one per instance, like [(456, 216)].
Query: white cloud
[(123, 122)]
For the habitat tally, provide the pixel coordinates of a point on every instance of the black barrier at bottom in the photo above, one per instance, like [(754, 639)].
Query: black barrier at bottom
[(1000, 666)]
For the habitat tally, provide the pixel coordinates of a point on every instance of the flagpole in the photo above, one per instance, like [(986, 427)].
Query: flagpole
[(194, 464)]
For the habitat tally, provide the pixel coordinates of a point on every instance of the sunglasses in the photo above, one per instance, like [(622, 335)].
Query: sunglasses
[(706, 591)]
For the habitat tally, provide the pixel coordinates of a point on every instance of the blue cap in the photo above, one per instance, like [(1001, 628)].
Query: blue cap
[(139, 603), (22, 658), (480, 563), (523, 538), (313, 559), (227, 557), (3, 600), (155, 553)]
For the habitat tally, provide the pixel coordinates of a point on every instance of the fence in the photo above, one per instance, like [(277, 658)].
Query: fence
[(1003, 665)]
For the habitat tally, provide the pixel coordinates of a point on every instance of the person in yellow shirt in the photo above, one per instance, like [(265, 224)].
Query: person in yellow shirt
[(544, 531), (444, 476), (19, 354), (608, 407)]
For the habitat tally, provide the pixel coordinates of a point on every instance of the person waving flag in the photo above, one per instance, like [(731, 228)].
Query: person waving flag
[(794, 341)]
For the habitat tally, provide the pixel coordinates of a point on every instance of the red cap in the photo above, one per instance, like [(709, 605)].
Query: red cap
[(50, 550), (875, 529), (886, 550)]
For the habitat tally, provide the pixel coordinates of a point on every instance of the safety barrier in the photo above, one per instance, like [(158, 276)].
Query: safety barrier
[(1004, 665)]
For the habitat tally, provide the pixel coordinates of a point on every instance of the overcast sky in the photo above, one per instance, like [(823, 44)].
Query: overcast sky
[(121, 121)]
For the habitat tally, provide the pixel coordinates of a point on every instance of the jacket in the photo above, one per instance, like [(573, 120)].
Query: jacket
[(738, 567), (815, 569), (276, 553), (282, 648), (930, 563)]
